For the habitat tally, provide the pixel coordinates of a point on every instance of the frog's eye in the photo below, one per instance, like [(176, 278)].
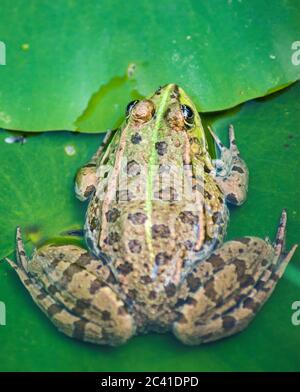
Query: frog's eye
[(140, 112), (188, 114), (130, 106)]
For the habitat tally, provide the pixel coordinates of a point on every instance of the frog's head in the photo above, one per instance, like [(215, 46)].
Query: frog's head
[(168, 108)]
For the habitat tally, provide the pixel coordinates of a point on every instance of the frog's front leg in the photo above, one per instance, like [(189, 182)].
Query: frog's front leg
[(231, 171), (86, 177), (222, 294), (76, 292)]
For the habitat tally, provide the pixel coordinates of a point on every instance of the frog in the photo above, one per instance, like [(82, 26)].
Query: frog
[(156, 259)]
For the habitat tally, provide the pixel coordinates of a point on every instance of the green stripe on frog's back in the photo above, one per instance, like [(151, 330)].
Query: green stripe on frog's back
[(164, 101)]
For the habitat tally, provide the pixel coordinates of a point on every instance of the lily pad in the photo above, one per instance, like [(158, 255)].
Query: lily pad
[(37, 184), (74, 65), (36, 189)]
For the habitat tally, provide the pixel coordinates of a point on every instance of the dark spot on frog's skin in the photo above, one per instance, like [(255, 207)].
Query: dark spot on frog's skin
[(190, 301), (231, 198), (132, 294), (28, 282), (79, 329), (52, 289), (161, 148), (105, 315), (180, 319), (187, 301), (228, 322), (216, 261), (112, 238), (238, 169), (125, 268), (89, 190), (152, 295), (112, 215), (264, 262), (249, 303), (134, 246), (162, 258), (180, 302), (240, 267), (136, 138), (170, 290), (193, 282), (160, 231), (80, 307), (210, 291), (42, 294), (146, 279), (68, 273), (188, 217), (286, 145), (95, 286), (53, 310), (260, 286), (138, 218), (133, 168), (246, 280)]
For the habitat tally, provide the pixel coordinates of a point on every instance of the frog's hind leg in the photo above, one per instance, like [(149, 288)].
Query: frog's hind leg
[(63, 320), (223, 294), (88, 309), (231, 171)]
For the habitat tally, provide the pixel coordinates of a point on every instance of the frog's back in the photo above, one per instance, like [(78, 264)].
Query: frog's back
[(151, 230)]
